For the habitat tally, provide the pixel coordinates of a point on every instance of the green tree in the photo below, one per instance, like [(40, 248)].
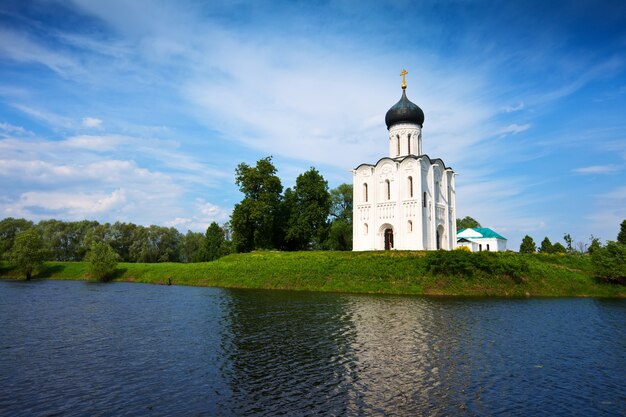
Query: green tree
[(28, 252), (621, 236), (569, 242), (192, 247), (102, 260), (610, 263), (528, 245), (213, 241), (466, 223), (340, 232), (546, 246), (10, 227), (309, 208), (558, 248), (594, 245), (256, 219)]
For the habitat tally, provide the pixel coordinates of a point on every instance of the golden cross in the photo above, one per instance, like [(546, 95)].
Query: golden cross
[(403, 73)]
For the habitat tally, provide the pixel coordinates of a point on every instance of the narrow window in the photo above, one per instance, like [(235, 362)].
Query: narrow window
[(365, 228), (398, 142), (365, 192), (408, 142), (487, 247), (480, 247), (424, 199), (410, 226), (388, 186), (411, 187)]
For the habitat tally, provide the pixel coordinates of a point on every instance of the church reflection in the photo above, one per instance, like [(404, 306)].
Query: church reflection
[(344, 355)]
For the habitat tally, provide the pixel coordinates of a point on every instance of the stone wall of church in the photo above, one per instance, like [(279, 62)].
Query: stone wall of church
[(411, 196)]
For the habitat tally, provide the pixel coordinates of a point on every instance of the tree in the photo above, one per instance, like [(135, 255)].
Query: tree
[(528, 245), (340, 231), (308, 208), (466, 223), (546, 246), (28, 252), (569, 242), (10, 227), (621, 236), (192, 247), (213, 241), (558, 248), (594, 245), (255, 220), (102, 260), (610, 263)]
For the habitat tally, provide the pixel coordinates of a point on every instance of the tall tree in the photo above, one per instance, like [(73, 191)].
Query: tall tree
[(340, 232), (213, 241), (546, 246), (255, 220), (308, 212), (621, 236), (28, 252), (466, 223), (192, 247), (558, 248), (569, 242), (528, 245), (594, 245), (9, 227)]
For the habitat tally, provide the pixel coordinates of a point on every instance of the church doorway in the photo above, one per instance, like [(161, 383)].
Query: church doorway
[(440, 242), (388, 239)]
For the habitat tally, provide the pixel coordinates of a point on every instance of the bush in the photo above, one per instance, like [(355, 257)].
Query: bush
[(610, 263), (102, 260), (467, 264)]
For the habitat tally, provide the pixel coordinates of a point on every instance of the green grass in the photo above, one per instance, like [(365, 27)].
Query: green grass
[(396, 272)]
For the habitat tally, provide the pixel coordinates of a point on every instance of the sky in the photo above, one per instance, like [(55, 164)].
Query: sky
[(140, 111)]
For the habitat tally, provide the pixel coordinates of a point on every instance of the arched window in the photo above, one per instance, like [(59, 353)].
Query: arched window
[(411, 187), (398, 144), (388, 187), (424, 199), (410, 226), (365, 192), (408, 143), (365, 229)]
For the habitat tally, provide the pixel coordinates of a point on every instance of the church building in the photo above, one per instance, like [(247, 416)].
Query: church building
[(405, 200)]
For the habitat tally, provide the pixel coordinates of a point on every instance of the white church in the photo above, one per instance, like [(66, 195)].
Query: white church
[(405, 200)]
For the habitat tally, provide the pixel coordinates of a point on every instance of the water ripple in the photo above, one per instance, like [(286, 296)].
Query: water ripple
[(74, 349)]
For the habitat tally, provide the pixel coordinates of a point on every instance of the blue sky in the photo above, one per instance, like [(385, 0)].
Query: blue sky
[(139, 111)]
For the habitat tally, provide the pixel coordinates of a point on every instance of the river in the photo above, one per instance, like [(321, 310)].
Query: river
[(70, 348)]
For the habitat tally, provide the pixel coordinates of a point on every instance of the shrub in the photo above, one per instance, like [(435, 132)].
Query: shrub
[(610, 263), (102, 261), (468, 264)]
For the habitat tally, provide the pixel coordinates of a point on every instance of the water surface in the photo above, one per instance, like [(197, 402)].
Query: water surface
[(72, 348)]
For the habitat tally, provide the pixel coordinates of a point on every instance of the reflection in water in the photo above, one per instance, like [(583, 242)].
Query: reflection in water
[(71, 348)]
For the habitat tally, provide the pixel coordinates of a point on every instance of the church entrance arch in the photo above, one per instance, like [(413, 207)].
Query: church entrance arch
[(386, 230), (440, 240)]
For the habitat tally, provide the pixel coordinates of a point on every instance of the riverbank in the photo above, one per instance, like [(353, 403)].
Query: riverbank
[(395, 272)]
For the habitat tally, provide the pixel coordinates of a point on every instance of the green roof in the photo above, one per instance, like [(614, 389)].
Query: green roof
[(485, 232)]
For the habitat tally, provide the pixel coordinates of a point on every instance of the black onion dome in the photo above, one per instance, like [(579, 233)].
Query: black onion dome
[(404, 112)]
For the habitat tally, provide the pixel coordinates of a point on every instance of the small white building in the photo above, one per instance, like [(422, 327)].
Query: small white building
[(405, 200), (479, 239)]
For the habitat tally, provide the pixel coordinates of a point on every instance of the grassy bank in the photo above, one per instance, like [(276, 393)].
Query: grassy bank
[(396, 272)]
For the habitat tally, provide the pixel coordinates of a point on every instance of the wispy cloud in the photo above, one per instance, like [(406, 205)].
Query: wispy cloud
[(92, 122), (598, 169)]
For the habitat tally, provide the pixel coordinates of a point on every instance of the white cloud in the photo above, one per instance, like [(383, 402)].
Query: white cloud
[(511, 109), (514, 129), (11, 129), (92, 122), (598, 169), (82, 204)]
